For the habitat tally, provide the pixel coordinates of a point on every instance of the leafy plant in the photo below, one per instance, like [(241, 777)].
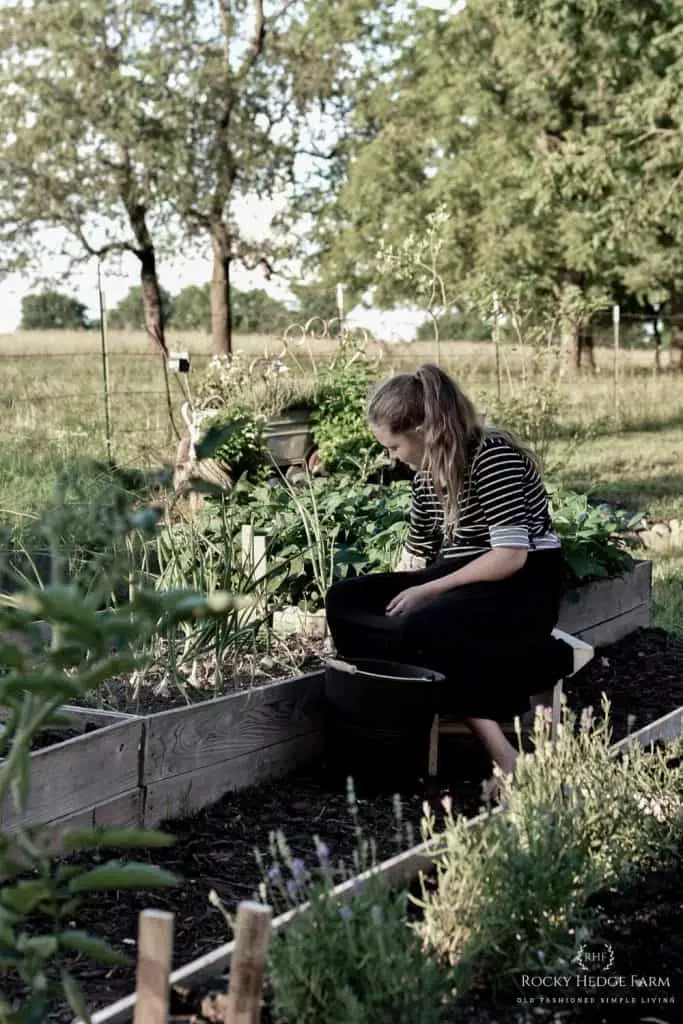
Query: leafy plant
[(41, 896), (591, 541), (366, 522), (242, 448), (340, 427)]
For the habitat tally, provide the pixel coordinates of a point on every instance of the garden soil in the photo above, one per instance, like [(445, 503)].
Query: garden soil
[(641, 675)]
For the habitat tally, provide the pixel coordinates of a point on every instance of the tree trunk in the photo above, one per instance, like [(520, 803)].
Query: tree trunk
[(151, 294), (569, 345), (657, 335), (585, 343), (221, 307)]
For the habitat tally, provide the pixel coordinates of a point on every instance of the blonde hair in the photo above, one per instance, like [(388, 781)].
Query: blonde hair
[(453, 429)]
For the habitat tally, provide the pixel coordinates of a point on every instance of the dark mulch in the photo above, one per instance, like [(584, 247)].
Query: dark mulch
[(642, 675)]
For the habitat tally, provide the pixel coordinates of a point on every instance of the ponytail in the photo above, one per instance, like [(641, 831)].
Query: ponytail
[(453, 430)]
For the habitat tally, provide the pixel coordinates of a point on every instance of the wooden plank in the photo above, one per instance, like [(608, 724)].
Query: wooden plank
[(189, 739), (182, 795), (668, 727), (605, 599), (610, 631), (82, 718), (80, 773), (398, 870)]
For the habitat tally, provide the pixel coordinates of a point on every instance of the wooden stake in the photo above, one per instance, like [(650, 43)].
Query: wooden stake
[(252, 935), (155, 951)]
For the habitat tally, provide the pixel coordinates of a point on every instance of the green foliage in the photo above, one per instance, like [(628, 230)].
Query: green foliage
[(234, 437), (548, 134), (266, 386), (52, 311), (456, 327), (340, 426), (41, 895), (129, 314), (591, 541), (511, 896), (346, 526), (192, 308)]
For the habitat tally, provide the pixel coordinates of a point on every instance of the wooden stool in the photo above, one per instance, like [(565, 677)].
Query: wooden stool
[(582, 654)]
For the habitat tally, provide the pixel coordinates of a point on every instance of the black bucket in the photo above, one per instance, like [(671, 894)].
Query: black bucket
[(377, 720)]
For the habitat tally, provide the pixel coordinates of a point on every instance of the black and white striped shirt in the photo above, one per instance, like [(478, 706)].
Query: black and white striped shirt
[(503, 504)]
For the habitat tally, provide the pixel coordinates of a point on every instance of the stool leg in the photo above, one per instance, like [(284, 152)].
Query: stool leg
[(433, 764), (557, 709)]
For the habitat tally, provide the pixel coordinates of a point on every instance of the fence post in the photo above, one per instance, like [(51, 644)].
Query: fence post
[(247, 966), (615, 322), (155, 952), (105, 361)]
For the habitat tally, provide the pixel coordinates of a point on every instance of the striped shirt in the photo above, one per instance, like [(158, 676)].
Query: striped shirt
[(503, 504)]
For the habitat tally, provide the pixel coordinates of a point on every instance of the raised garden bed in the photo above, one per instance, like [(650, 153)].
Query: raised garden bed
[(175, 762), (642, 675), (400, 871)]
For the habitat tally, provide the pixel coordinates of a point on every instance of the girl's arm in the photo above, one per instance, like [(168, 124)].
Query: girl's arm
[(496, 564)]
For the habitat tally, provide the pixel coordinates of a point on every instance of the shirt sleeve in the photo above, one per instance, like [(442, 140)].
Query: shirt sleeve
[(424, 537), (498, 481)]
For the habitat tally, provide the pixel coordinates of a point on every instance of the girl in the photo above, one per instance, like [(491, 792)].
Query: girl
[(479, 583)]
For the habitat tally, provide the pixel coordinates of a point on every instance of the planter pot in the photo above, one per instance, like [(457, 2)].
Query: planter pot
[(289, 436), (377, 720)]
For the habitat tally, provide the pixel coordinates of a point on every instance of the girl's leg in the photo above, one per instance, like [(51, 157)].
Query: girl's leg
[(495, 741), (357, 619)]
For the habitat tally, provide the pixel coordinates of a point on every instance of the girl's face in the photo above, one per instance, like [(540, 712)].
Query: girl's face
[(408, 447)]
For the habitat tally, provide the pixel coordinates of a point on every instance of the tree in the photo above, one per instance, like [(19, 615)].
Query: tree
[(52, 310), (79, 131), (243, 112), (256, 312), (549, 132), (129, 314), (192, 308)]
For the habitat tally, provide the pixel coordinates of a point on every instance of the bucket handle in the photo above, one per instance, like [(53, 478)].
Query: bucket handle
[(346, 666)]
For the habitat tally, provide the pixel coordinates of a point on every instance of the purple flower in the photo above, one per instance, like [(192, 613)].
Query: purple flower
[(323, 851), (292, 889), (345, 913), (275, 873), (298, 868)]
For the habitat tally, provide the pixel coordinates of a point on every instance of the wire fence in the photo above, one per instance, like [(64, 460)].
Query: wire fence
[(75, 397)]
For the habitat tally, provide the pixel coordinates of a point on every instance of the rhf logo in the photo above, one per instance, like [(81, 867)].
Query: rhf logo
[(595, 956)]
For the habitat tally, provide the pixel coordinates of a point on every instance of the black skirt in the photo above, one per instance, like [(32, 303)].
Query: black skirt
[(490, 640)]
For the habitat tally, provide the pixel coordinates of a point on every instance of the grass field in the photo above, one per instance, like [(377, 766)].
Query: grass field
[(52, 418)]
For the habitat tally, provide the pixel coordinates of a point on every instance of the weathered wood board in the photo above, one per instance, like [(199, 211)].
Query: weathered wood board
[(604, 611), (79, 773), (185, 740), (180, 796)]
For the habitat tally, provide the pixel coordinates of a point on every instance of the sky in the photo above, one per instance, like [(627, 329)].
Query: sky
[(253, 217)]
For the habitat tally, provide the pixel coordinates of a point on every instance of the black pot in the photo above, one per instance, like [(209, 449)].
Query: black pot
[(377, 720)]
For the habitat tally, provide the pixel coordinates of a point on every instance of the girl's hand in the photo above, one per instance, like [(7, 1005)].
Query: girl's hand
[(407, 600)]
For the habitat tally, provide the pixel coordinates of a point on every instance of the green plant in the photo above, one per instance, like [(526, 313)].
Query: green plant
[(332, 527), (511, 896), (243, 447), (340, 426), (591, 538), (40, 895)]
